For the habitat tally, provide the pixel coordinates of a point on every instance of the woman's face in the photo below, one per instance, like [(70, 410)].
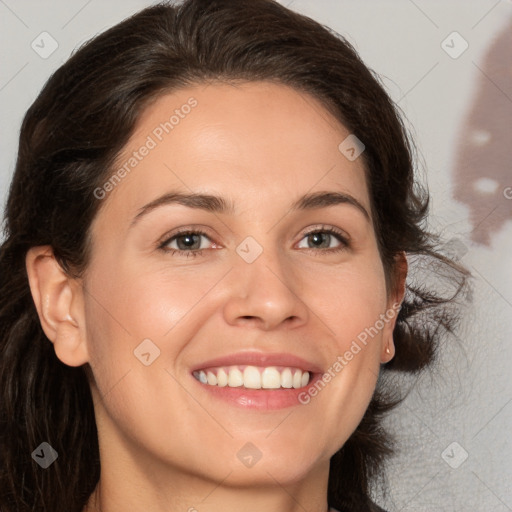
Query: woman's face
[(264, 295)]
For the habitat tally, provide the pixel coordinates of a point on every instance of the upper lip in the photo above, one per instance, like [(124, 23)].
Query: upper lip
[(260, 359)]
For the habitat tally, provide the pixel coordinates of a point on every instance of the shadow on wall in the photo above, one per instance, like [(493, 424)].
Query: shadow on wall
[(483, 168)]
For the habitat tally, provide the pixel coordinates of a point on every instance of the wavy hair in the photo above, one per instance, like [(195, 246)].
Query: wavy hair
[(68, 145)]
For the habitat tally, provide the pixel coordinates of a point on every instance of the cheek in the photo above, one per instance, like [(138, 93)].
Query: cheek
[(125, 306), (138, 303), (350, 304), (349, 300)]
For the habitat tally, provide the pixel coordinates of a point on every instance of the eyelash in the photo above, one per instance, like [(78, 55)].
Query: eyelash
[(198, 252)]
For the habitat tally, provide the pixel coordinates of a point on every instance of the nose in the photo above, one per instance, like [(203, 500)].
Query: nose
[(265, 293)]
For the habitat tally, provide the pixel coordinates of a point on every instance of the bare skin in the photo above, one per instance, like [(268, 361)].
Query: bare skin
[(167, 443)]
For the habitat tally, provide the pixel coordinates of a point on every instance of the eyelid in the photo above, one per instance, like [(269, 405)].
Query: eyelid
[(342, 236), (199, 228), (329, 229)]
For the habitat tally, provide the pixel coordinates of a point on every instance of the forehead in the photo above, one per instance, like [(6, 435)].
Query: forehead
[(262, 144)]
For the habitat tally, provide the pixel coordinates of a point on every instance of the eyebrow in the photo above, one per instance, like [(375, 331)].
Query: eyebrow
[(218, 204)]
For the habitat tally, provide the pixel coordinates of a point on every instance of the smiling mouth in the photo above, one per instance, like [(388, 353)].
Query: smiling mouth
[(253, 377)]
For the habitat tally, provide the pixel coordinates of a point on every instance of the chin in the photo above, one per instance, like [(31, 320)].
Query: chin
[(251, 466)]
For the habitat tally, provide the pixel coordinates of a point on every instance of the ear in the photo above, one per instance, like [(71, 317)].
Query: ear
[(393, 306), (59, 302)]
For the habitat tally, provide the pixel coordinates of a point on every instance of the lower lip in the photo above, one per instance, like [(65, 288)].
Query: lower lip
[(260, 399)]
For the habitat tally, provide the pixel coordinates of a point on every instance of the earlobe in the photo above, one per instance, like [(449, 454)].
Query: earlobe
[(388, 351), (58, 300)]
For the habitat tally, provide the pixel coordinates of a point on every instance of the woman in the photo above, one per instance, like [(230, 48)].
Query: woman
[(203, 282)]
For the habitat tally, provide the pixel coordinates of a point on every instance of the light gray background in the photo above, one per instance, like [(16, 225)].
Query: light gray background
[(468, 398)]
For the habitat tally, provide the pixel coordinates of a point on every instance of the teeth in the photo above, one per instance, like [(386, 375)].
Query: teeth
[(235, 378), (270, 378), (253, 377), (297, 379), (222, 378), (286, 378)]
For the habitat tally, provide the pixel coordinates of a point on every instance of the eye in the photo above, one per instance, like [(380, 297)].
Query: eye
[(187, 242), (322, 237)]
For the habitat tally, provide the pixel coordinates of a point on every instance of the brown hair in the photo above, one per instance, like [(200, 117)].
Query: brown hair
[(69, 141)]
